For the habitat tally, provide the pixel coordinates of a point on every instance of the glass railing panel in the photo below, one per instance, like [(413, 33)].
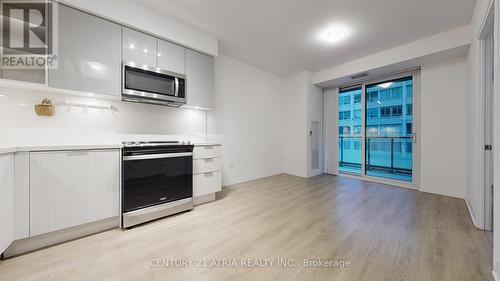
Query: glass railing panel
[(350, 155), (389, 157)]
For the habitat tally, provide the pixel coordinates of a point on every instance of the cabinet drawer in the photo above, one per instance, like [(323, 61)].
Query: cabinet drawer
[(206, 165), (207, 183), (208, 151)]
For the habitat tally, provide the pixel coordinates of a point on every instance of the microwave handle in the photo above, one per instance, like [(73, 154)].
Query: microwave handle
[(176, 81)]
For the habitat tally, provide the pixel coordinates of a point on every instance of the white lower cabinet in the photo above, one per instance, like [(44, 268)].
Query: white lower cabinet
[(22, 195), (6, 201), (207, 175), (207, 183), (207, 152), (71, 188), (206, 165)]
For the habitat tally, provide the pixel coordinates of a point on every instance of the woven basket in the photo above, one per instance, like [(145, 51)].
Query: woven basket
[(45, 108)]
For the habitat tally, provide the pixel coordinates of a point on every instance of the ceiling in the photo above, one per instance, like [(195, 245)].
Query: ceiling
[(281, 35)]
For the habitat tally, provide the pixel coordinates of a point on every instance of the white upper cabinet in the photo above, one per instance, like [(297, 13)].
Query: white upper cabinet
[(139, 47), (171, 57), (6, 201), (89, 54), (199, 79), (27, 75), (71, 188)]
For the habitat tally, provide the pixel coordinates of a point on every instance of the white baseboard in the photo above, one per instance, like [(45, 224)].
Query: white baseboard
[(495, 275), (234, 181), (473, 215), (316, 173), (45, 240), (442, 191), (295, 174)]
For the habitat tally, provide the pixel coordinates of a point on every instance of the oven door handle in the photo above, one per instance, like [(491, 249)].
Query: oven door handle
[(157, 156)]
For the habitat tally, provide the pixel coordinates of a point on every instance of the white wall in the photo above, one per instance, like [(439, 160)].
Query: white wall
[(443, 129), (331, 130), (303, 104), (248, 113), (295, 125), (314, 114)]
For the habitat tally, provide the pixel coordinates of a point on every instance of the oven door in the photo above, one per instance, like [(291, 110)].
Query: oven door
[(148, 83), (154, 179)]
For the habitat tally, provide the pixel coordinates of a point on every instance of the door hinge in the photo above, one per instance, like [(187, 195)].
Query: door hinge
[(488, 147)]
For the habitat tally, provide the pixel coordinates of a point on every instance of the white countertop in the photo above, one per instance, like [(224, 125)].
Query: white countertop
[(206, 144), (4, 149), (45, 147)]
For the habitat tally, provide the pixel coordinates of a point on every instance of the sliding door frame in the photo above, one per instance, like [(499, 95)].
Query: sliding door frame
[(416, 155)]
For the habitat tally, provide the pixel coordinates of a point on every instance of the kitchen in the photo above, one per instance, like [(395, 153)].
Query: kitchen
[(61, 187)]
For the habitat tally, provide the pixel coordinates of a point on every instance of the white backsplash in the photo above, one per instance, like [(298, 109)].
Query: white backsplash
[(21, 126)]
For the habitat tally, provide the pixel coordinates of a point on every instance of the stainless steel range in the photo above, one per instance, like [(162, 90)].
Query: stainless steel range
[(157, 180)]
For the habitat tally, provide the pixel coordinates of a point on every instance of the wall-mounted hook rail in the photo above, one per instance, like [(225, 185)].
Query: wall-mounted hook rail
[(86, 106)]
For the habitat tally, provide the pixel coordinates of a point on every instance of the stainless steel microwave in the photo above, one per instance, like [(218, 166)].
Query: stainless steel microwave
[(145, 84)]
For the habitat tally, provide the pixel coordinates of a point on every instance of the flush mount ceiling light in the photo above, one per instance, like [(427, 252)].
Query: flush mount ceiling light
[(335, 33), (385, 85)]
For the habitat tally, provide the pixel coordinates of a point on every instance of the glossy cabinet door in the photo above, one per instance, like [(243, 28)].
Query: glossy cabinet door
[(6, 201), (36, 75), (171, 57), (71, 188), (139, 47), (22, 195), (25, 75), (199, 79), (89, 56)]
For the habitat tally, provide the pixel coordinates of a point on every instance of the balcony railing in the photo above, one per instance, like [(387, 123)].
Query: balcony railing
[(389, 154)]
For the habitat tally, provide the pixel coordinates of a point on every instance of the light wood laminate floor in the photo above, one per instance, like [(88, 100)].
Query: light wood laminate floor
[(386, 233)]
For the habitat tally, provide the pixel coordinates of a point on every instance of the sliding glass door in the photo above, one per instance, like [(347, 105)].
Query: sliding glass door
[(377, 137), (389, 129)]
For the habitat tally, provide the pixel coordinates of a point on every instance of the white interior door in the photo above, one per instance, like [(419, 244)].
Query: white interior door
[(488, 128)]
